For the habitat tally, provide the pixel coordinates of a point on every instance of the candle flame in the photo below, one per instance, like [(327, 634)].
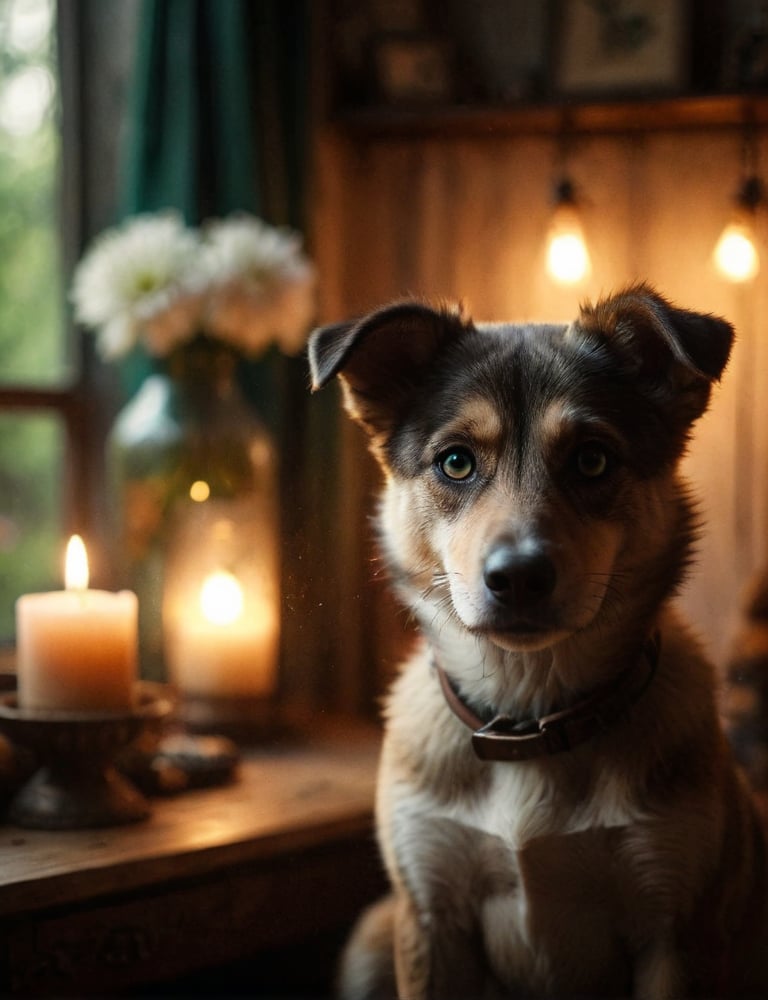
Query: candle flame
[(76, 565), (199, 491), (221, 598)]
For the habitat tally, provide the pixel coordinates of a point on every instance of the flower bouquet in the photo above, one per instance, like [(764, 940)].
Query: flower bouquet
[(156, 282)]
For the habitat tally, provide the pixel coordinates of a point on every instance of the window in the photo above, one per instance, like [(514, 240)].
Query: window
[(34, 368), (64, 69)]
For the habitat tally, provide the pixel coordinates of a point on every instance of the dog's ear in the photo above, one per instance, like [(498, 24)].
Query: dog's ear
[(676, 353), (382, 358)]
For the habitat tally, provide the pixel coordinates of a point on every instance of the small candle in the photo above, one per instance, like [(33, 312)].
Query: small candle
[(76, 648), (218, 649)]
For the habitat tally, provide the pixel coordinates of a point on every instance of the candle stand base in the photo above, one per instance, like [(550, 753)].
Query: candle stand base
[(76, 784), (70, 797), (247, 720)]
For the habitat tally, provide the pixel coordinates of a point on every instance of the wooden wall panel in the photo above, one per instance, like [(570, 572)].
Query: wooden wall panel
[(465, 218)]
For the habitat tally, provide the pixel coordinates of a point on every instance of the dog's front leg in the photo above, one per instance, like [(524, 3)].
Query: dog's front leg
[(412, 958), (435, 959), (659, 973)]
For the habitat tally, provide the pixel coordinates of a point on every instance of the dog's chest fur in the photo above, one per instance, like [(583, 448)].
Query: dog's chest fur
[(530, 859), (540, 900)]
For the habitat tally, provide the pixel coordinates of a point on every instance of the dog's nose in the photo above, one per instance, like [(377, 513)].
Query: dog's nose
[(515, 575)]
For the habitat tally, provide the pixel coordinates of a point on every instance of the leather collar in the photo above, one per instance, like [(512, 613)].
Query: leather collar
[(503, 738)]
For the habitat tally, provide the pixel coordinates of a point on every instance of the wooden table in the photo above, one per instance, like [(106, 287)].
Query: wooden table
[(214, 880), (246, 890)]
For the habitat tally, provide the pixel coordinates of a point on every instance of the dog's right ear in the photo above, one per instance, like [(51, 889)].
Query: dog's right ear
[(382, 359)]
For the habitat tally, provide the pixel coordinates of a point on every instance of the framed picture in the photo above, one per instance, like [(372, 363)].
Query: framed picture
[(620, 47), (503, 47), (413, 69)]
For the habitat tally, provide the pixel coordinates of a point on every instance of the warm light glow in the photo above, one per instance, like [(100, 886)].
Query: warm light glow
[(199, 491), (567, 255), (736, 256), (221, 598), (76, 565)]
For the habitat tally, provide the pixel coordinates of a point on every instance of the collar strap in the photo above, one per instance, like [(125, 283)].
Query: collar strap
[(506, 739)]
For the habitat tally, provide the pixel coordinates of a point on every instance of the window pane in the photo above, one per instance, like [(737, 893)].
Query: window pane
[(31, 532), (32, 345)]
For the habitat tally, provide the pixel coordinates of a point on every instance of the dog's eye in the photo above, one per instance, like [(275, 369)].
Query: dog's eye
[(456, 463), (592, 461)]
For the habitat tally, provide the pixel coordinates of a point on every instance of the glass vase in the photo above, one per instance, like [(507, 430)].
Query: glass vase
[(194, 471)]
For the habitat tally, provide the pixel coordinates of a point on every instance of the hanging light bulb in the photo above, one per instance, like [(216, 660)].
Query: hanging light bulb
[(736, 256), (568, 259)]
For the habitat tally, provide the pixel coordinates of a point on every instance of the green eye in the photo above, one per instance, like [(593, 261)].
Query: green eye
[(456, 463), (591, 461)]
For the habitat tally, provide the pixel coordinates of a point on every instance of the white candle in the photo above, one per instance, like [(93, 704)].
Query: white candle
[(76, 648), (224, 648)]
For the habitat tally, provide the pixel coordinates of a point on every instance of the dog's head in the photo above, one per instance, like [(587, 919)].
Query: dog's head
[(530, 468)]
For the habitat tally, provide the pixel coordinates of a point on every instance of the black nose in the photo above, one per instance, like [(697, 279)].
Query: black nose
[(516, 575)]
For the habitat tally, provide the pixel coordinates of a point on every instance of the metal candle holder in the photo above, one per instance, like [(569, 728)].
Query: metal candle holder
[(77, 784)]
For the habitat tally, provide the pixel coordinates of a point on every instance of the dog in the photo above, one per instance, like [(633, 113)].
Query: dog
[(557, 806)]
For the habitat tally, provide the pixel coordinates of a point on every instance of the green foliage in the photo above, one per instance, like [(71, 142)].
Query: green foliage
[(30, 285), (30, 502), (31, 328)]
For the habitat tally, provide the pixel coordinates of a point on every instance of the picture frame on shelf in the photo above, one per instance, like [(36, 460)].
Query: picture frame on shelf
[(620, 47), (413, 69), (504, 47)]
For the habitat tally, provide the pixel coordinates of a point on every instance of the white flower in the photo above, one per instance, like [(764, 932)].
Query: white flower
[(156, 281), (140, 280), (262, 285)]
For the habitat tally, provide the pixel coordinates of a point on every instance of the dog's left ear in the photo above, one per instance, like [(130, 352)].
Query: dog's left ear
[(382, 359), (678, 354)]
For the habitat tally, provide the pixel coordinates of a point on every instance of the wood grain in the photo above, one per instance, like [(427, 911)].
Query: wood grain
[(283, 801), (668, 114), (282, 858)]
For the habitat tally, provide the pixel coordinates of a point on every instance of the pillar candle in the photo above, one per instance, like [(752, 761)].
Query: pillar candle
[(76, 648), (227, 646)]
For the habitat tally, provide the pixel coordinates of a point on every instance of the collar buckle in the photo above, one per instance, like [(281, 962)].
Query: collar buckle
[(505, 739)]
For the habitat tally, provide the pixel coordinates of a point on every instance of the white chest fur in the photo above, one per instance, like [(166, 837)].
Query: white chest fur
[(529, 866)]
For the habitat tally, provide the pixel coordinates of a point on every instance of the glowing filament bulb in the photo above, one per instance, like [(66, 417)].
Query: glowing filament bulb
[(221, 598), (567, 254), (736, 256), (76, 565)]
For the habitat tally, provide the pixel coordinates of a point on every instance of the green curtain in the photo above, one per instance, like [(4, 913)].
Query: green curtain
[(218, 116), (191, 106)]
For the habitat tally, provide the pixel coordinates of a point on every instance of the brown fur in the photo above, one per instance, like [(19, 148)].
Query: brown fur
[(632, 864)]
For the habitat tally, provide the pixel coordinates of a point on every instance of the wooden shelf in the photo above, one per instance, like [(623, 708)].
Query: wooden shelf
[(628, 116)]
